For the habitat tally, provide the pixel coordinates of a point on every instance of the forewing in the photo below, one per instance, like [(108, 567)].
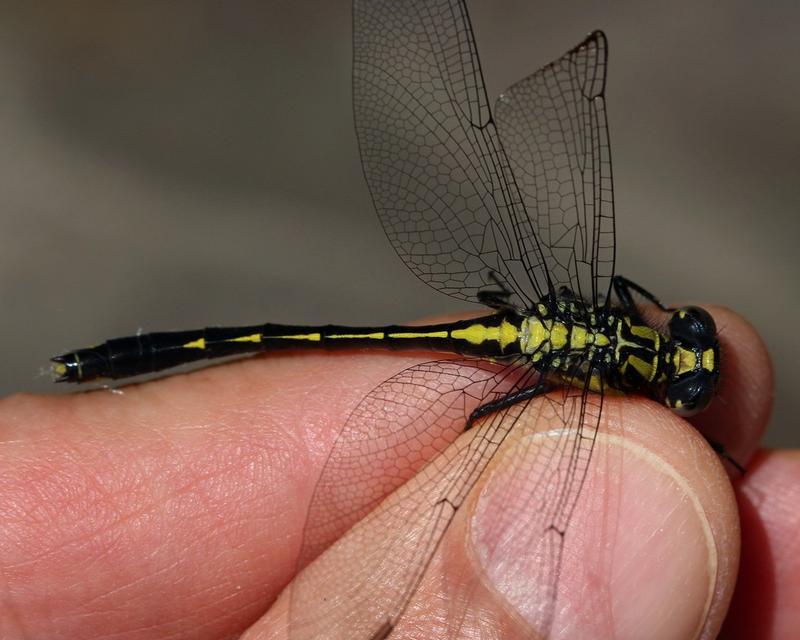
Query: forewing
[(392, 433), (403, 428), (439, 178), (544, 473), (372, 575), (553, 128)]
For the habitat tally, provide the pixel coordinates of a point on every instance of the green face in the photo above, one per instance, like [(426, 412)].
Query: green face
[(695, 359)]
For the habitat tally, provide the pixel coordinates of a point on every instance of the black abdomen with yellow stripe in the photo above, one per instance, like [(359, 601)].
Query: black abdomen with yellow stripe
[(491, 336)]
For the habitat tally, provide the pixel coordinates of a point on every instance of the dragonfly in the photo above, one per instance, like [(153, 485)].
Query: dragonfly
[(509, 206)]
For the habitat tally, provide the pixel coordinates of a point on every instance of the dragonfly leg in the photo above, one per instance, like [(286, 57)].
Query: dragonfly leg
[(722, 452), (565, 292), (496, 299), (502, 403), (623, 287)]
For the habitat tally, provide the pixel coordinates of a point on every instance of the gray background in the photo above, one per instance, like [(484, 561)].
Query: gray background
[(174, 165)]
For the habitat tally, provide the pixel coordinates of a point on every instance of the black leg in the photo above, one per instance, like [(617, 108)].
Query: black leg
[(506, 401), (723, 453), (565, 292), (623, 287), (496, 299)]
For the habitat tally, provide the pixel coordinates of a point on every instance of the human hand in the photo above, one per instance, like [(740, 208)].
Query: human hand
[(176, 508)]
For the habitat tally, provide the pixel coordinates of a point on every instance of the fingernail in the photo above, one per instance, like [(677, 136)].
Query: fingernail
[(636, 558)]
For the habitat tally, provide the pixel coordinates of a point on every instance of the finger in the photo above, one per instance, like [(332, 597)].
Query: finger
[(174, 508), (739, 415), (653, 544), (766, 603)]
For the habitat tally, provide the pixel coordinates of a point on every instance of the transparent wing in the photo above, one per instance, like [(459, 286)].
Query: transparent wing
[(375, 593), (553, 128), (532, 510), (439, 178), (393, 432)]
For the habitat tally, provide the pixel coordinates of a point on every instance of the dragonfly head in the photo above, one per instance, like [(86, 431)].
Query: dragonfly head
[(695, 361)]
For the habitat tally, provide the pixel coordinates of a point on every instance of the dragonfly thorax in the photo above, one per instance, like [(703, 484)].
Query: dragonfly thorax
[(680, 369), (562, 339)]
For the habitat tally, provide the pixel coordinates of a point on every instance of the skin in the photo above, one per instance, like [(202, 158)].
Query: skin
[(175, 509)]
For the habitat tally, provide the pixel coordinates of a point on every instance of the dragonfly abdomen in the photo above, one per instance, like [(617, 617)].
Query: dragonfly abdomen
[(490, 336)]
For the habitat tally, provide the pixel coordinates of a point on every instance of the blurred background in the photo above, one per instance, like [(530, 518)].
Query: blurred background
[(175, 165)]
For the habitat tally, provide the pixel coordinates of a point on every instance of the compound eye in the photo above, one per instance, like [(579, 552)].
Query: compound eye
[(691, 394), (692, 325)]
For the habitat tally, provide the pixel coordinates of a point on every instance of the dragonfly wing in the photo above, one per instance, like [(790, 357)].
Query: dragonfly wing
[(374, 576), (392, 434), (439, 178), (523, 539), (397, 438), (553, 127)]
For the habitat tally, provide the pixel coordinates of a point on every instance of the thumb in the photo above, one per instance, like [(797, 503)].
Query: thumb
[(653, 542)]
